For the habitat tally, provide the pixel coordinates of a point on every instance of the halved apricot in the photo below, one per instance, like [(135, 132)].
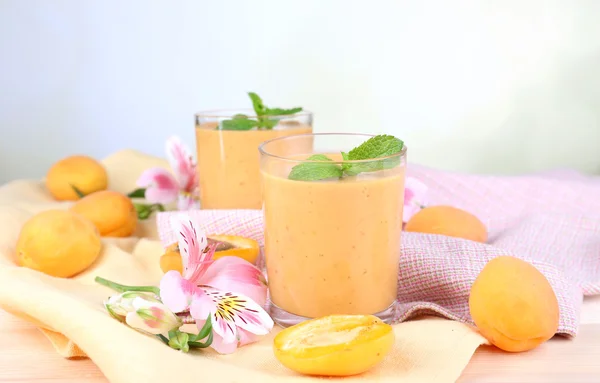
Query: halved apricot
[(233, 245), (171, 259), (227, 245), (335, 345)]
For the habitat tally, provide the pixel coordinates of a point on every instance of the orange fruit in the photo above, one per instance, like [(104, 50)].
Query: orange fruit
[(60, 243), (232, 245), (449, 221), (513, 305), (113, 213), (82, 172), (335, 345), (171, 259), (228, 245)]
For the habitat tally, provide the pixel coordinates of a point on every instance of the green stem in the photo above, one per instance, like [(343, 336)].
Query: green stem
[(200, 344), (163, 339), (123, 288)]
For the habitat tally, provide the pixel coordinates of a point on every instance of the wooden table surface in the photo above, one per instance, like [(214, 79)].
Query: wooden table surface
[(27, 356)]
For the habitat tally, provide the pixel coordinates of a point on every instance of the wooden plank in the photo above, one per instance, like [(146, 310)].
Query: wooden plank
[(27, 356)]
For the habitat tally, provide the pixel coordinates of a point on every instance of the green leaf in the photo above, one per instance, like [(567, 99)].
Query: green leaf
[(257, 104), (346, 166), (79, 193), (315, 171), (137, 193), (375, 147), (282, 112), (238, 122), (267, 123), (179, 340), (144, 211), (205, 331), (262, 111), (200, 344)]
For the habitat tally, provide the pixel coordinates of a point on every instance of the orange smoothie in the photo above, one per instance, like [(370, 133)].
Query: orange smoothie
[(332, 246), (229, 164)]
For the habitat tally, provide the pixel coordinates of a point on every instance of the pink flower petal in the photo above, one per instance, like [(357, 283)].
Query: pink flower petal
[(246, 337), (231, 311), (222, 347), (187, 202), (237, 276), (182, 163), (414, 190), (225, 328), (415, 193), (192, 244), (160, 186), (177, 293), (202, 307)]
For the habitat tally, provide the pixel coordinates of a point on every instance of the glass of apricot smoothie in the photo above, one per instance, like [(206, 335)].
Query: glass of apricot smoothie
[(333, 220), (227, 142)]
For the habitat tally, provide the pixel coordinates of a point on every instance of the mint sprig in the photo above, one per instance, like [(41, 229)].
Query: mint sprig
[(314, 171), (375, 147), (239, 122), (243, 122)]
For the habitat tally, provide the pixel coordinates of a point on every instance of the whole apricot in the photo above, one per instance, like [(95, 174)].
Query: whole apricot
[(60, 243), (335, 345), (449, 221), (113, 213), (513, 305), (82, 172)]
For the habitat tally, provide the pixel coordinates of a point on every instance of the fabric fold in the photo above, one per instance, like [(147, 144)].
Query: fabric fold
[(551, 220)]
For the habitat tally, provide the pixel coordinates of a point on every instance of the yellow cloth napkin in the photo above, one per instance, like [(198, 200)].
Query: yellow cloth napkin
[(71, 315)]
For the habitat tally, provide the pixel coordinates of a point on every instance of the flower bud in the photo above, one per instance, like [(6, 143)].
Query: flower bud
[(120, 305), (152, 317)]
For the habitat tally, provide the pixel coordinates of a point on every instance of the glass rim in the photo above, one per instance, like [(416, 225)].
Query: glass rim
[(223, 113), (262, 151)]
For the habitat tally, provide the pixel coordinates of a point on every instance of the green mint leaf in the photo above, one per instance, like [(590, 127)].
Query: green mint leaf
[(137, 193), (79, 193), (315, 171), (267, 123), (375, 147), (346, 166), (282, 112), (262, 111), (257, 104), (238, 122)]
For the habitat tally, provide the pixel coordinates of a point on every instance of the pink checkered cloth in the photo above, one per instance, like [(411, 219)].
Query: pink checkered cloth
[(550, 219)]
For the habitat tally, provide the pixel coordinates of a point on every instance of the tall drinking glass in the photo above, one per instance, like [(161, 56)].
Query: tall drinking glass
[(332, 246), (228, 164)]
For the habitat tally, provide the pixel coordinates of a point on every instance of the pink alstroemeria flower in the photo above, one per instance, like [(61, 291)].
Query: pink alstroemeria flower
[(415, 193), (162, 187), (230, 290)]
